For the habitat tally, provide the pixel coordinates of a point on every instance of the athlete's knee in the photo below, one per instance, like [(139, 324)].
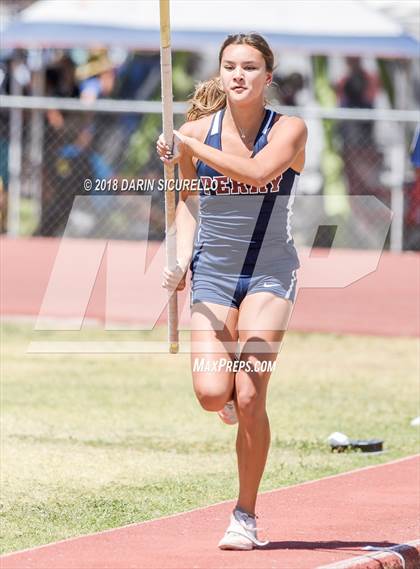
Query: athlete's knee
[(211, 401), (251, 404)]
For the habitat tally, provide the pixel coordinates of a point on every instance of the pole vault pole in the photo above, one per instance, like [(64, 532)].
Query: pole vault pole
[(168, 126)]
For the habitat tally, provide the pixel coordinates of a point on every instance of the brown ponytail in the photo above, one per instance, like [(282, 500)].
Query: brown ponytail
[(208, 98)]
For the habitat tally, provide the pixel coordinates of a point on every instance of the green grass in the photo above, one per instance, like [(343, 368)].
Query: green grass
[(91, 442)]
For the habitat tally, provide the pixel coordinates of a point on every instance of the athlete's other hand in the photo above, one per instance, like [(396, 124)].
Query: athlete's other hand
[(171, 155), (174, 280)]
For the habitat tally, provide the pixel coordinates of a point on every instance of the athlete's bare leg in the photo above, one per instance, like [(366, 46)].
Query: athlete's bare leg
[(263, 319), (214, 337)]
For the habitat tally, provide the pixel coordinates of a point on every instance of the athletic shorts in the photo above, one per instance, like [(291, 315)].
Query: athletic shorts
[(230, 290)]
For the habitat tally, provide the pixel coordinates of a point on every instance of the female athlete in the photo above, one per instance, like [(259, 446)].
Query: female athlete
[(242, 258)]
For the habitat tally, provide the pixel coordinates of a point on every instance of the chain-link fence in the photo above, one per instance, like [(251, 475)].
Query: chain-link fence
[(49, 147)]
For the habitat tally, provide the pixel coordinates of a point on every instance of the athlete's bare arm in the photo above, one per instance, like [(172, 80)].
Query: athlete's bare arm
[(196, 129), (187, 209), (186, 215), (286, 146)]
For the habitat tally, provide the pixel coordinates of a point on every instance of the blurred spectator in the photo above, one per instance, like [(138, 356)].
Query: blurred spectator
[(60, 81), (96, 77), (362, 159), (90, 145), (288, 87), (67, 170), (358, 88), (98, 81), (138, 78), (135, 73), (61, 78), (79, 143), (4, 144), (14, 80), (412, 210), (62, 128)]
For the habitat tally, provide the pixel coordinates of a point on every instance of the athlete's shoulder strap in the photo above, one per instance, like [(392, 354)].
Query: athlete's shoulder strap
[(215, 125), (213, 137), (266, 124), (269, 121)]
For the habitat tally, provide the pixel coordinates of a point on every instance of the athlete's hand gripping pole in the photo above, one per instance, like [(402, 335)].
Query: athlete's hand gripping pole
[(167, 119)]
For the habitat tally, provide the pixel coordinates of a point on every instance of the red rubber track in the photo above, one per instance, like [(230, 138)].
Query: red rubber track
[(385, 302), (309, 525)]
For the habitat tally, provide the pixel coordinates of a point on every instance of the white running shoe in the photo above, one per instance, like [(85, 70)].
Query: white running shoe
[(228, 414), (241, 533)]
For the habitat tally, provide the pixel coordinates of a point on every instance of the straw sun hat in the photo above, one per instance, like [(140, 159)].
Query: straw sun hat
[(98, 63)]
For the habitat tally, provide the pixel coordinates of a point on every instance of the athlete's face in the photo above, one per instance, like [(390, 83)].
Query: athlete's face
[(243, 73)]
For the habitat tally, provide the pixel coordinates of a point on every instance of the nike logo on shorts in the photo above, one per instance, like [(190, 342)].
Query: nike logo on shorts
[(267, 285)]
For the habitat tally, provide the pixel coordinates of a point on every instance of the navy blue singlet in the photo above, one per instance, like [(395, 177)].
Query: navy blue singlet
[(243, 229)]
